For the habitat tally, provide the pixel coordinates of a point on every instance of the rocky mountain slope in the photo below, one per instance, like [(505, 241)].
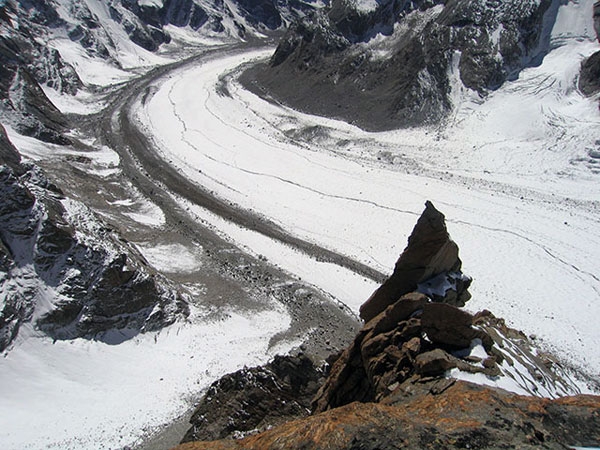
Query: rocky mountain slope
[(589, 80), (50, 42), (398, 63), (64, 272), (422, 373)]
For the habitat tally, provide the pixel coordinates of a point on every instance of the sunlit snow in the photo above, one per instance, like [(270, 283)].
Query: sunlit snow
[(512, 173)]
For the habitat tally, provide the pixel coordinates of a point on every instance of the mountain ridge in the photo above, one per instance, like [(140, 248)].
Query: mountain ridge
[(421, 373), (396, 65), (67, 273)]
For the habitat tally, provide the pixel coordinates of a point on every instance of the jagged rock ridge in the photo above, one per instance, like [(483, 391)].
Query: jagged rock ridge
[(66, 273), (398, 385), (409, 335), (395, 63), (430, 264)]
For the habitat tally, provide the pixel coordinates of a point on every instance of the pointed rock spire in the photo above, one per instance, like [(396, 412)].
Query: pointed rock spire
[(429, 256)]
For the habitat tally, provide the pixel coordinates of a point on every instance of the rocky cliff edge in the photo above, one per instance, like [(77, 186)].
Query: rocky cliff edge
[(423, 373)]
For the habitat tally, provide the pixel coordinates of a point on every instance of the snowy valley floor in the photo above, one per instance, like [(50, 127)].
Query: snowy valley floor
[(515, 175)]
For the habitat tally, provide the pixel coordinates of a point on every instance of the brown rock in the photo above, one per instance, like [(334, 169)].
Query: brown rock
[(376, 358), (429, 252), (347, 381), (461, 415), (413, 346), (448, 325), (397, 312), (434, 363)]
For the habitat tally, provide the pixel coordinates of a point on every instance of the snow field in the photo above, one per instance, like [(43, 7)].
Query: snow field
[(91, 395), (504, 172)]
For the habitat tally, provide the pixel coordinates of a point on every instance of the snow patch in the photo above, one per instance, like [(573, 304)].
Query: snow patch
[(151, 3), (171, 258), (366, 6)]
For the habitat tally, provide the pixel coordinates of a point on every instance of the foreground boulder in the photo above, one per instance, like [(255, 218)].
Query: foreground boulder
[(463, 415)]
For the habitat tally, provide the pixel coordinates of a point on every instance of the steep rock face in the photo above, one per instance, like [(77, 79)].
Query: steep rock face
[(460, 416), (67, 274), (429, 263), (393, 63), (9, 155), (589, 80), (23, 24), (32, 113), (255, 399), (25, 63)]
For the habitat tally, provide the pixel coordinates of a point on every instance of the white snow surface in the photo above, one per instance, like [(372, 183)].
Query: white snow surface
[(171, 258), (366, 5), (512, 174), (88, 395)]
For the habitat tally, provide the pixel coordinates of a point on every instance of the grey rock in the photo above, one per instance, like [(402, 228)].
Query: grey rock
[(9, 155), (589, 79), (335, 74), (254, 399), (93, 285)]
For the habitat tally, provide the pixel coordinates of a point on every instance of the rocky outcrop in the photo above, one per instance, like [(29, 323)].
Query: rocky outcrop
[(252, 400), (394, 63), (32, 113), (410, 335), (400, 384), (21, 47), (589, 79), (67, 274), (430, 264), (455, 416), (415, 339)]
